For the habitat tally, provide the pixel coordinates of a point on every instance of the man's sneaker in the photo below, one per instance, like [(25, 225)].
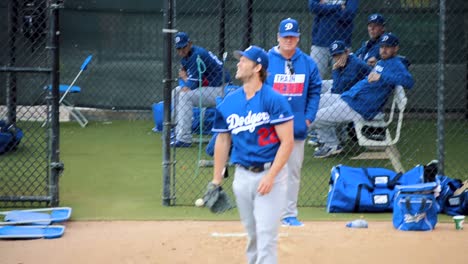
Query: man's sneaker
[(313, 141), (291, 221), (180, 144), (313, 138), (325, 151)]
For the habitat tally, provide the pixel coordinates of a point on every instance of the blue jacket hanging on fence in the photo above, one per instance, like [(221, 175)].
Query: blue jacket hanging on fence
[(368, 98), (213, 74)]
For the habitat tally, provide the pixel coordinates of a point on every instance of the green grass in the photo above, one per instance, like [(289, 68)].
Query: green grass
[(114, 171)]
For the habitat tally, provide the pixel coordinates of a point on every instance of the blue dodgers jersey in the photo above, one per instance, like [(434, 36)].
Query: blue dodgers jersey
[(251, 124), (213, 68)]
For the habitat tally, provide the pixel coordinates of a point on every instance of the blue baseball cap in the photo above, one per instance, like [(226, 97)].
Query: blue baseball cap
[(389, 39), (376, 18), (337, 47), (289, 28), (181, 40), (254, 53)]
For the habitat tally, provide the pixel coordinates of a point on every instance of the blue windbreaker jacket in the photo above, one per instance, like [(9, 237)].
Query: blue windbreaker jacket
[(302, 89), (354, 71), (367, 98), (368, 50)]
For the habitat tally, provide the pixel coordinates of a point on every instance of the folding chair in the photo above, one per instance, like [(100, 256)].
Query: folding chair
[(70, 89), (376, 134)]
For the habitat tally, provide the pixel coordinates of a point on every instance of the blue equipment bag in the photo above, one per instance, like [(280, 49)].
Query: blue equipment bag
[(367, 189), (208, 118), (10, 137), (453, 197), (415, 207)]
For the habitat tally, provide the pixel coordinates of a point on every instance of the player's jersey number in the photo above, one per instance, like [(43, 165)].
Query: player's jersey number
[(267, 136)]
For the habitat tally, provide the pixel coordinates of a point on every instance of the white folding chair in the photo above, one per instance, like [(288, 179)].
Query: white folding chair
[(378, 137)]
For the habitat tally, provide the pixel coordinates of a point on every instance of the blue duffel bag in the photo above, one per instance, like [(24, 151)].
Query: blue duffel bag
[(415, 207), (367, 189), (10, 137)]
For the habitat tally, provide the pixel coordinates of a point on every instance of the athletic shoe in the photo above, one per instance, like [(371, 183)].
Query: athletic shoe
[(325, 151), (313, 139), (291, 221), (180, 144)]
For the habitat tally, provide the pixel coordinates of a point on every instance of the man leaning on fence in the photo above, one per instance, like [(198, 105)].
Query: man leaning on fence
[(201, 75), (364, 100)]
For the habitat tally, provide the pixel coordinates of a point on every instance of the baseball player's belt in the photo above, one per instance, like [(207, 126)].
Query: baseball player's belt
[(257, 168)]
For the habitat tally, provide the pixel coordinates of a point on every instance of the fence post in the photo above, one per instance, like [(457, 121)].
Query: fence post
[(168, 32), (56, 167), (440, 90), (248, 18), (11, 95)]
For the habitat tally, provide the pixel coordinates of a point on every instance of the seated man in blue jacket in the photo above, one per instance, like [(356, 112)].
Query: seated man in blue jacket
[(364, 100), (187, 95), (347, 68)]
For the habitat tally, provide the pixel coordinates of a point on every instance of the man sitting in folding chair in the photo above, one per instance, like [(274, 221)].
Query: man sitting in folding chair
[(196, 63), (364, 100)]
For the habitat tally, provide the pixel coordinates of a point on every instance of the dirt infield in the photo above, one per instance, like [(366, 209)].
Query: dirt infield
[(183, 242)]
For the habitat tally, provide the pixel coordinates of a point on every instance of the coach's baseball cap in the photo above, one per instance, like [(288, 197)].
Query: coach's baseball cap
[(389, 39), (181, 40), (337, 47), (376, 18), (254, 53), (289, 28)]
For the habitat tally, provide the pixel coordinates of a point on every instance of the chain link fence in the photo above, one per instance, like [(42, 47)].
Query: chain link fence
[(29, 166), (233, 25), (124, 79)]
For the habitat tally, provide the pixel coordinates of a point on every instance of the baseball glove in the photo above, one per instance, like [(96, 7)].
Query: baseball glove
[(216, 199)]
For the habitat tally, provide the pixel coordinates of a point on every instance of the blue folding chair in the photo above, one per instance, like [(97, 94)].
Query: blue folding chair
[(71, 89)]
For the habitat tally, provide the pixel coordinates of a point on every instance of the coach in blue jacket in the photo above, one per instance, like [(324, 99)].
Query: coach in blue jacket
[(333, 20), (364, 100), (294, 74), (369, 51)]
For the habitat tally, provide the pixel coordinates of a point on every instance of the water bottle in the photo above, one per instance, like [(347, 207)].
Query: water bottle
[(358, 223)]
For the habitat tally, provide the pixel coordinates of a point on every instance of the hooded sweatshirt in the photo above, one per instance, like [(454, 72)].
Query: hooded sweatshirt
[(301, 87)]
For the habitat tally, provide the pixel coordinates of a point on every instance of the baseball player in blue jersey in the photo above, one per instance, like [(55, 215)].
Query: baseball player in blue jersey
[(294, 74), (364, 100), (187, 94), (369, 51), (259, 123), (333, 19)]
